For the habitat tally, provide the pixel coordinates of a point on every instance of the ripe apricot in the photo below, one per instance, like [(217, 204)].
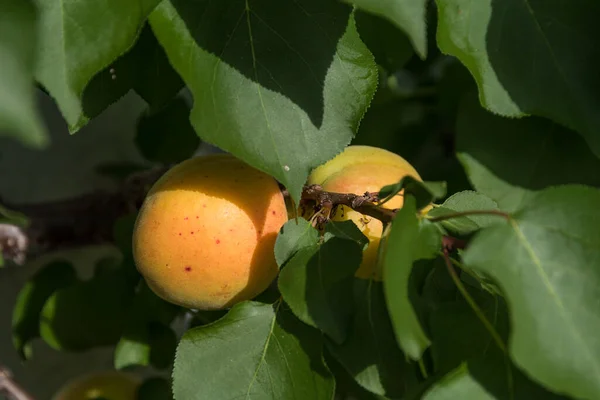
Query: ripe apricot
[(360, 169), (109, 385), (205, 235)]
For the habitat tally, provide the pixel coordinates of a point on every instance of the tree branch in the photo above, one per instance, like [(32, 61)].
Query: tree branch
[(10, 388), (365, 204)]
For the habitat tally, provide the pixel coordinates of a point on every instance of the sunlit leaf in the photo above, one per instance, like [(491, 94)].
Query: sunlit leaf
[(257, 351), (280, 85), (546, 260)]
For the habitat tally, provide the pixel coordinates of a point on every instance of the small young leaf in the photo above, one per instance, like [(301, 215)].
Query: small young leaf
[(18, 109), (77, 41), (167, 135), (293, 237), (317, 285), (283, 96), (370, 353), (547, 262), (533, 146), (467, 200), (31, 300), (546, 64), (409, 240), (424, 192), (408, 15), (256, 351)]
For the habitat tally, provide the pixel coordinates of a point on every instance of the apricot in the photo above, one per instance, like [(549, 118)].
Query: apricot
[(360, 169), (204, 237), (108, 385)]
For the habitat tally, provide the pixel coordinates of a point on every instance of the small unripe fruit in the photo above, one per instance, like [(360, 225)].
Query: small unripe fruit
[(360, 169), (107, 385), (205, 235)]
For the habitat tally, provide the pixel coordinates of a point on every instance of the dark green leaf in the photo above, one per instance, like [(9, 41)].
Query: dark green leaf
[(390, 46), (371, 354), (144, 68), (257, 351), (18, 109), (87, 314), (424, 192), (546, 261), (147, 338), (467, 200), (408, 15), (546, 63), (409, 240), (487, 379), (515, 157), (317, 285), (79, 40), (31, 300), (346, 230), (292, 237), (280, 85), (167, 135), (155, 388)]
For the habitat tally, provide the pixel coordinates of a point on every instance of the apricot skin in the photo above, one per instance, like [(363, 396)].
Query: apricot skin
[(205, 235), (360, 169), (110, 385)]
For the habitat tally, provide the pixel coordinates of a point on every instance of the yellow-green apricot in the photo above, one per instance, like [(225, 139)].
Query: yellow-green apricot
[(360, 169), (205, 235), (109, 385)]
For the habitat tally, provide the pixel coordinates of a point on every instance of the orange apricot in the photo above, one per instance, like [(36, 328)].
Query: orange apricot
[(360, 169), (205, 235)]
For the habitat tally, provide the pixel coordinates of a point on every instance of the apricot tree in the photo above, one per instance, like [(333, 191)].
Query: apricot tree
[(407, 206)]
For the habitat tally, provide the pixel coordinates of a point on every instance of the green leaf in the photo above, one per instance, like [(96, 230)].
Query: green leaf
[(467, 200), (257, 351), (408, 15), (294, 236), (147, 338), (79, 40), (19, 115), (541, 154), (546, 64), (389, 45), (317, 285), (143, 68), (279, 85), (546, 262), (31, 300), (167, 135), (409, 240), (154, 388), (488, 377), (424, 192), (370, 353), (346, 230), (87, 314)]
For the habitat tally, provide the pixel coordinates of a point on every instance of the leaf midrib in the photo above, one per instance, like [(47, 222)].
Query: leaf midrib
[(551, 290)]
